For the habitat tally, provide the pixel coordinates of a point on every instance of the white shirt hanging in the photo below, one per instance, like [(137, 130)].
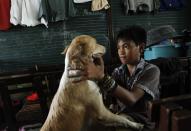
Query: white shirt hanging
[(31, 10), (16, 12), (138, 4), (81, 1)]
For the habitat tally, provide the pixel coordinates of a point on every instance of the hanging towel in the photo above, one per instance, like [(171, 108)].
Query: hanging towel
[(81, 1), (4, 14), (99, 5), (30, 12), (16, 12)]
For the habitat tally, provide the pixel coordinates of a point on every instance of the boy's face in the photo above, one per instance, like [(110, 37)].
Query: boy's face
[(129, 52)]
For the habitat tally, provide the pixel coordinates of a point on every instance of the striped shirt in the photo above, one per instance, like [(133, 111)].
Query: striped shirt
[(146, 76)]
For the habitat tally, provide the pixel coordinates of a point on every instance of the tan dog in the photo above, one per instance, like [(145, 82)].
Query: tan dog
[(76, 103)]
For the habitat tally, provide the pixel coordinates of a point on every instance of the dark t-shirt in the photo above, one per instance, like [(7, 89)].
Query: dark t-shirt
[(56, 10), (146, 76)]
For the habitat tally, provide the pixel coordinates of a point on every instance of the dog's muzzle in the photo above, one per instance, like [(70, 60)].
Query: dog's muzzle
[(74, 72)]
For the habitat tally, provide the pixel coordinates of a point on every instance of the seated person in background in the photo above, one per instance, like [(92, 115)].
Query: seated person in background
[(134, 82)]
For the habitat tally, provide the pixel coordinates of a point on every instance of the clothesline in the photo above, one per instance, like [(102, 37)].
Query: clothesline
[(34, 12)]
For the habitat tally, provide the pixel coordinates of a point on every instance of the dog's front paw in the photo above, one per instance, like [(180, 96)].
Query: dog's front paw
[(139, 126)]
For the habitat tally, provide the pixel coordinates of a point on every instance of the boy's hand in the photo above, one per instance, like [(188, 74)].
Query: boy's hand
[(77, 75), (94, 71)]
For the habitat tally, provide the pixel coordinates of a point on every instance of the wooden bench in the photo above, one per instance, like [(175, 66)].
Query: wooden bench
[(37, 76)]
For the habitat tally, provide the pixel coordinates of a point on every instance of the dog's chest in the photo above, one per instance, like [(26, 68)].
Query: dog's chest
[(80, 91), (83, 89)]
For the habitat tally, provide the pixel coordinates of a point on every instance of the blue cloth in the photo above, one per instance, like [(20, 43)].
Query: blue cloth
[(172, 4)]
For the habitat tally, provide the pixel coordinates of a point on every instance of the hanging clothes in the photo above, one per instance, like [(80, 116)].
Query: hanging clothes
[(172, 4), (140, 5), (16, 12), (4, 14), (99, 5), (125, 6), (81, 1), (31, 9), (26, 13), (56, 10)]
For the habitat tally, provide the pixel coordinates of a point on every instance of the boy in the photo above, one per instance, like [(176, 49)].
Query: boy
[(134, 82)]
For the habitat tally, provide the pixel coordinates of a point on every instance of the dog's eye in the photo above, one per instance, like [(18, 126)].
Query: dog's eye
[(96, 60)]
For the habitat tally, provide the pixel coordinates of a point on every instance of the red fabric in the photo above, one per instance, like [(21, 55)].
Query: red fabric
[(4, 14), (33, 97)]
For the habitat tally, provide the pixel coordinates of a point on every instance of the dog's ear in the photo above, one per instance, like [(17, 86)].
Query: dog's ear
[(65, 50), (99, 51)]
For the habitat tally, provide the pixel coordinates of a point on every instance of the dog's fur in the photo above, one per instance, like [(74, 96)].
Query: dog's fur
[(75, 103)]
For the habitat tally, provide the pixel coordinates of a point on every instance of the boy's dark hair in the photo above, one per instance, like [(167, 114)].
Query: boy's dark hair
[(135, 33)]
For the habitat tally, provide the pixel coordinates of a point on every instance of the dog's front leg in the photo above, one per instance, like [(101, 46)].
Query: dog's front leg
[(104, 116)]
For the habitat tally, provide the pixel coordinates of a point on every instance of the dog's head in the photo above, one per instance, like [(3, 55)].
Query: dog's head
[(83, 49)]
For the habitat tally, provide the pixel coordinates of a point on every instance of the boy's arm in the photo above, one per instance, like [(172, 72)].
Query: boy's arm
[(128, 97)]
